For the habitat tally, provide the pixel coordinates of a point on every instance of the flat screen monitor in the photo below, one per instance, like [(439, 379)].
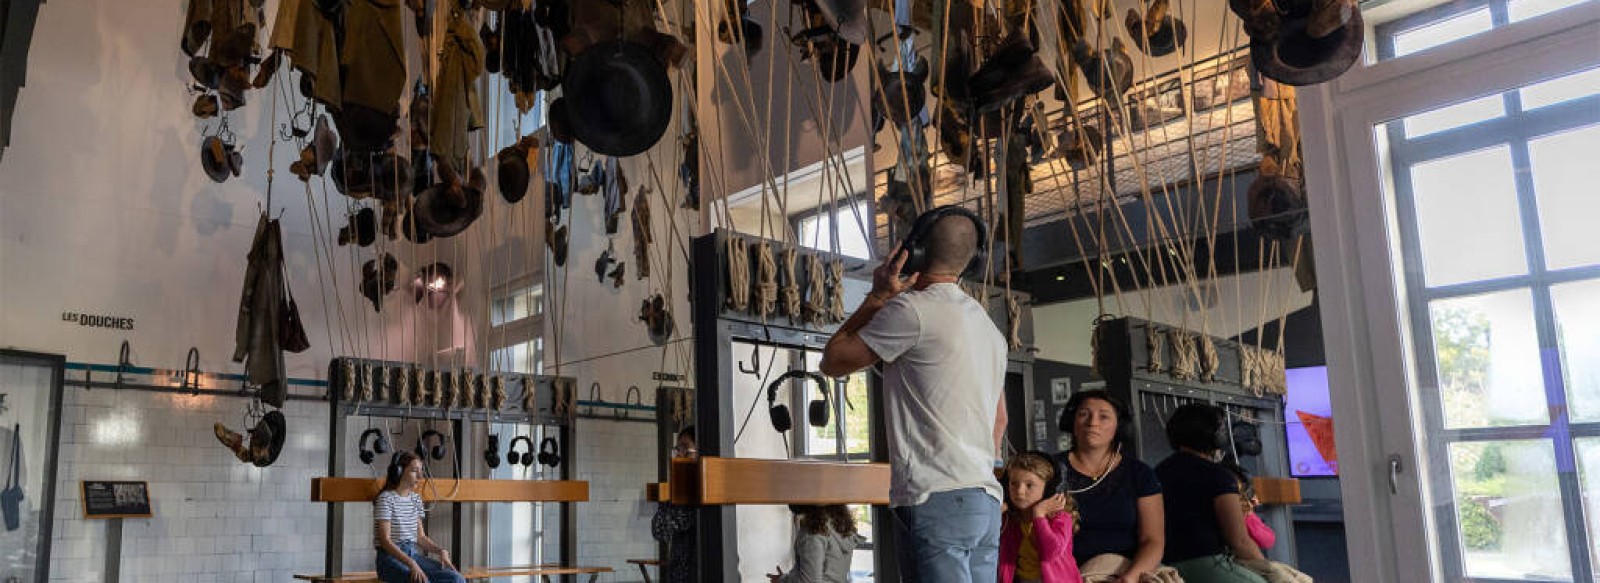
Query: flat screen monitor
[(1312, 452)]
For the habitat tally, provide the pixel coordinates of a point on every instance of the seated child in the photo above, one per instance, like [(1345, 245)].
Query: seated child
[(1272, 571), (824, 540), (1036, 531)]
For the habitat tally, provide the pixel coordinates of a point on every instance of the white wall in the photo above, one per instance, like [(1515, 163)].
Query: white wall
[(1062, 330)]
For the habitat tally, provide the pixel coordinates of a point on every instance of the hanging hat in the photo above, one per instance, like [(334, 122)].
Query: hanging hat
[(391, 176), (362, 228), (323, 144), (364, 128), (1109, 72), (512, 172), (205, 71), (377, 281), (1080, 149), (559, 121), (409, 227), (657, 319), (352, 173), (1011, 72), (835, 57), (1158, 33), (214, 155), (1277, 208), (622, 99), (490, 37), (1291, 55), (449, 207), (846, 17), (667, 48), (902, 96), (272, 430), (206, 106)]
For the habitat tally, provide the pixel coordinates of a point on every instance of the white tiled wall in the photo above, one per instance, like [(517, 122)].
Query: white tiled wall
[(618, 459), (215, 519)]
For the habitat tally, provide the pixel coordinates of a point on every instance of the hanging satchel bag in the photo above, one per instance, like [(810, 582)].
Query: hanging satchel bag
[(291, 333), (11, 497)]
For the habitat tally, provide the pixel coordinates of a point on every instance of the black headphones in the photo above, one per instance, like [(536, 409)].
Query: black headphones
[(435, 451), (1052, 486), (525, 458), (916, 242), (393, 473), (549, 452), (491, 454), (817, 412), (379, 446)]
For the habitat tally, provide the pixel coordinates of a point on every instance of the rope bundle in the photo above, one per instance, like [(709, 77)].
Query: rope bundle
[(497, 397), (791, 285), (836, 289), (349, 381), (738, 275), (529, 401), (408, 378), (766, 280), (816, 292), (1014, 316), (1209, 361), (1156, 342), (1184, 361)]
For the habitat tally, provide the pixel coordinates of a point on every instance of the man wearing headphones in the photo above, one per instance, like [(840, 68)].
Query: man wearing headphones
[(943, 375)]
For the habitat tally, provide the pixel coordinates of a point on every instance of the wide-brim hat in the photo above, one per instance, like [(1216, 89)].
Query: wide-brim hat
[(559, 120), (214, 156), (1293, 57), (1277, 207), (1108, 72), (1160, 40), (835, 57), (391, 177), (274, 423), (352, 172), (903, 95), (1014, 70), (848, 18), (448, 208), (621, 98), (512, 170), (362, 228), (377, 281)]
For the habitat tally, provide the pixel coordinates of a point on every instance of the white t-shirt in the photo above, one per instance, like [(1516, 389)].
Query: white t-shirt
[(943, 374)]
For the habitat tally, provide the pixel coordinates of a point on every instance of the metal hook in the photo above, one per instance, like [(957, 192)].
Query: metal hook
[(123, 361), (191, 372), (755, 361), (633, 397), (594, 395)]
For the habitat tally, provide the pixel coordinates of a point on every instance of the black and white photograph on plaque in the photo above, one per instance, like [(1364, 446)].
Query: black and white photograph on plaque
[(1060, 390)]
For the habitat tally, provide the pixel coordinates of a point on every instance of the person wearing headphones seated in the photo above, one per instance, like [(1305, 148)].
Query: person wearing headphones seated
[(1206, 532), (823, 543), (944, 364), (402, 543), (674, 525), (1120, 537)]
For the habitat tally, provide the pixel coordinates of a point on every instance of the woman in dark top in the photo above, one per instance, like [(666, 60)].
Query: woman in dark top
[(674, 525), (1118, 497), (1205, 529)]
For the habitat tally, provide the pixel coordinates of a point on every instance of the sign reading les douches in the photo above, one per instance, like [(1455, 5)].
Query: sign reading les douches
[(97, 320)]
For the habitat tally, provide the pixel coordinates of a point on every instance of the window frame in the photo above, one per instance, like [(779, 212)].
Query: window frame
[(1513, 130), (832, 210)]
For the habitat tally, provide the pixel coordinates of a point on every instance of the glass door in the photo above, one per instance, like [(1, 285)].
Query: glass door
[(1496, 205), (1454, 182)]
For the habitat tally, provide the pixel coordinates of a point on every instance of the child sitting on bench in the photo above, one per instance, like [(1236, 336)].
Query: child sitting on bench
[(823, 543), (1036, 530)]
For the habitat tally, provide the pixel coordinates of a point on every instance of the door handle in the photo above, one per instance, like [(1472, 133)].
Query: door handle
[(1394, 473)]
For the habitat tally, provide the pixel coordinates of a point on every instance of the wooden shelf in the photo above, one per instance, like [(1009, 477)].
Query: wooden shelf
[(715, 481), (445, 490)]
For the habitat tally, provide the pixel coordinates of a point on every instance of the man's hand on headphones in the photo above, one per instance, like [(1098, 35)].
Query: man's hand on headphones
[(886, 282)]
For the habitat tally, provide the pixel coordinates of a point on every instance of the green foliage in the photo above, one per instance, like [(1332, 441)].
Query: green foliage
[(1490, 464), (1479, 529)]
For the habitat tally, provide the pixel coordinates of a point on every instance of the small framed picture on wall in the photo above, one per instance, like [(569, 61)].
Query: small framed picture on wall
[(1040, 431), (1060, 390), (1038, 410)]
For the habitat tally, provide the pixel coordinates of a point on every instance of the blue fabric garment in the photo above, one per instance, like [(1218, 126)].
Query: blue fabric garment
[(953, 537), (558, 181), (393, 570)]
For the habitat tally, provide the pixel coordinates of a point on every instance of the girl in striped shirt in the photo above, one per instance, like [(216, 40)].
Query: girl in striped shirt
[(397, 529)]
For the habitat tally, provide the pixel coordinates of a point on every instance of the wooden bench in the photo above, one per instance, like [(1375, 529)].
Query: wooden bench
[(644, 566), (544, 572)]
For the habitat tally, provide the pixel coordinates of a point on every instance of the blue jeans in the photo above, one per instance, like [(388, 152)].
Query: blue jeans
[(392, 570), (952, 537)]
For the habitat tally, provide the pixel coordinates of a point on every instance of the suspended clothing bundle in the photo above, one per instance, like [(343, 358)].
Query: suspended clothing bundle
[(256, 335)]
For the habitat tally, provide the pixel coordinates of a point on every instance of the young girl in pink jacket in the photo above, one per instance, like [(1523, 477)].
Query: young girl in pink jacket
[(1036, 531)]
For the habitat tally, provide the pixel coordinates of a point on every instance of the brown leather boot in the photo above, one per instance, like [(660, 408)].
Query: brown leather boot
[(231, 440)]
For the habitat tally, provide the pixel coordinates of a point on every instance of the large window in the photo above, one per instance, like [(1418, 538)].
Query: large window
[(1497, 204), (1453, 21), (844, 227)]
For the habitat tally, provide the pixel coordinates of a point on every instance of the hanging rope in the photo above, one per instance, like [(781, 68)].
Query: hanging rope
[(1156, 343), (836, 309), (791, 285), (766, 280), (816, 304), (1184, 361), (738, 274), (1209, 361)]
